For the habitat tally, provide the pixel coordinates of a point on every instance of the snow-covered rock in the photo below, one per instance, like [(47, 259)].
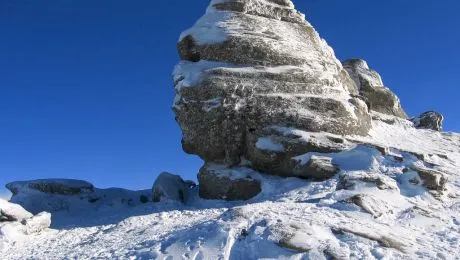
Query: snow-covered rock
[(12, 212), (356, 180), (37, 223), (170, 187), (371, 87), (51, 186), (52, 195), (317, 168), (219, 182), (429, 120), (432, 179)]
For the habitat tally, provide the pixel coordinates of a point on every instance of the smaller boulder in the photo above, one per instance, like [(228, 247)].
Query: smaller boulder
[(170, 187), (431, 178), (429, 120), (350, 181), (12, 212), (231, 184), (371, 204), (317, 168)]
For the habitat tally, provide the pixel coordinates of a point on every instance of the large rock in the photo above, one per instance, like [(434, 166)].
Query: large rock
[(252, 64), (12, 212), (371, 87), (221, 183), (170, 187), (429, 120), (52, 186)]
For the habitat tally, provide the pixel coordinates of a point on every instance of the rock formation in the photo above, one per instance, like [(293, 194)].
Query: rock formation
[(429, 120), (54, 195), (250, 65), (372, 89)]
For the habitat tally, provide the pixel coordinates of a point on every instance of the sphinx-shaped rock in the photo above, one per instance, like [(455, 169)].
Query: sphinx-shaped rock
[(248, 65), (371, 87), (429, 120)]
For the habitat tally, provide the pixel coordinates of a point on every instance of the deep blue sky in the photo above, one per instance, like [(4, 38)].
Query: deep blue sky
[(86, 89)]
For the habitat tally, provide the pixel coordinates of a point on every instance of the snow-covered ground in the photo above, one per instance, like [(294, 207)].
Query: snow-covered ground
[(396, 218)]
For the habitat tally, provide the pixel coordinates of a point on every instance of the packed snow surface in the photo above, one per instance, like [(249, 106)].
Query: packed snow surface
[(290, 219)]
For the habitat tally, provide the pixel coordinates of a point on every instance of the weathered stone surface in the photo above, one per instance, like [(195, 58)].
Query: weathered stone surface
[(351, 181), (12, 212), (371, 87), (371, 204), (429, 120), (432, 179), (252, 64), (273, 150), (52, 186), (170, 187), (317, 168), (218, 182)]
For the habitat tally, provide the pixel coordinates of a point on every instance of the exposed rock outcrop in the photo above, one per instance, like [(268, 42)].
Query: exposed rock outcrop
[(248, 65), (170, 187), (52, 186), (429, 120), (371, 87), (431, 178), (54, 195), (220, 182), (352, 181)]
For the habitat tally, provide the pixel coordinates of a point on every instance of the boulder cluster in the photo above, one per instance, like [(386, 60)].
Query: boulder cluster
[(254, 77)]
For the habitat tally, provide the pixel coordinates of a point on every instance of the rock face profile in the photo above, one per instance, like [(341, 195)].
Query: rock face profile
[(250, 65), (371, 87), (429, 120)]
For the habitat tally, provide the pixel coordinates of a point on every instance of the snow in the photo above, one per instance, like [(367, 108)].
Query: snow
[(267, 144)]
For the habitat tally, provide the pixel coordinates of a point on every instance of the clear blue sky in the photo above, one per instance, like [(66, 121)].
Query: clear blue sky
[(86, 89)]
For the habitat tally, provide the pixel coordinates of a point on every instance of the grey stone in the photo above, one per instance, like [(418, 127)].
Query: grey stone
[(371, 204), (170, 187), (371, 87), (231, 184), (317, 168), (256, 64), (294, 143), (431, 178), (350, 181), (429, 120)]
